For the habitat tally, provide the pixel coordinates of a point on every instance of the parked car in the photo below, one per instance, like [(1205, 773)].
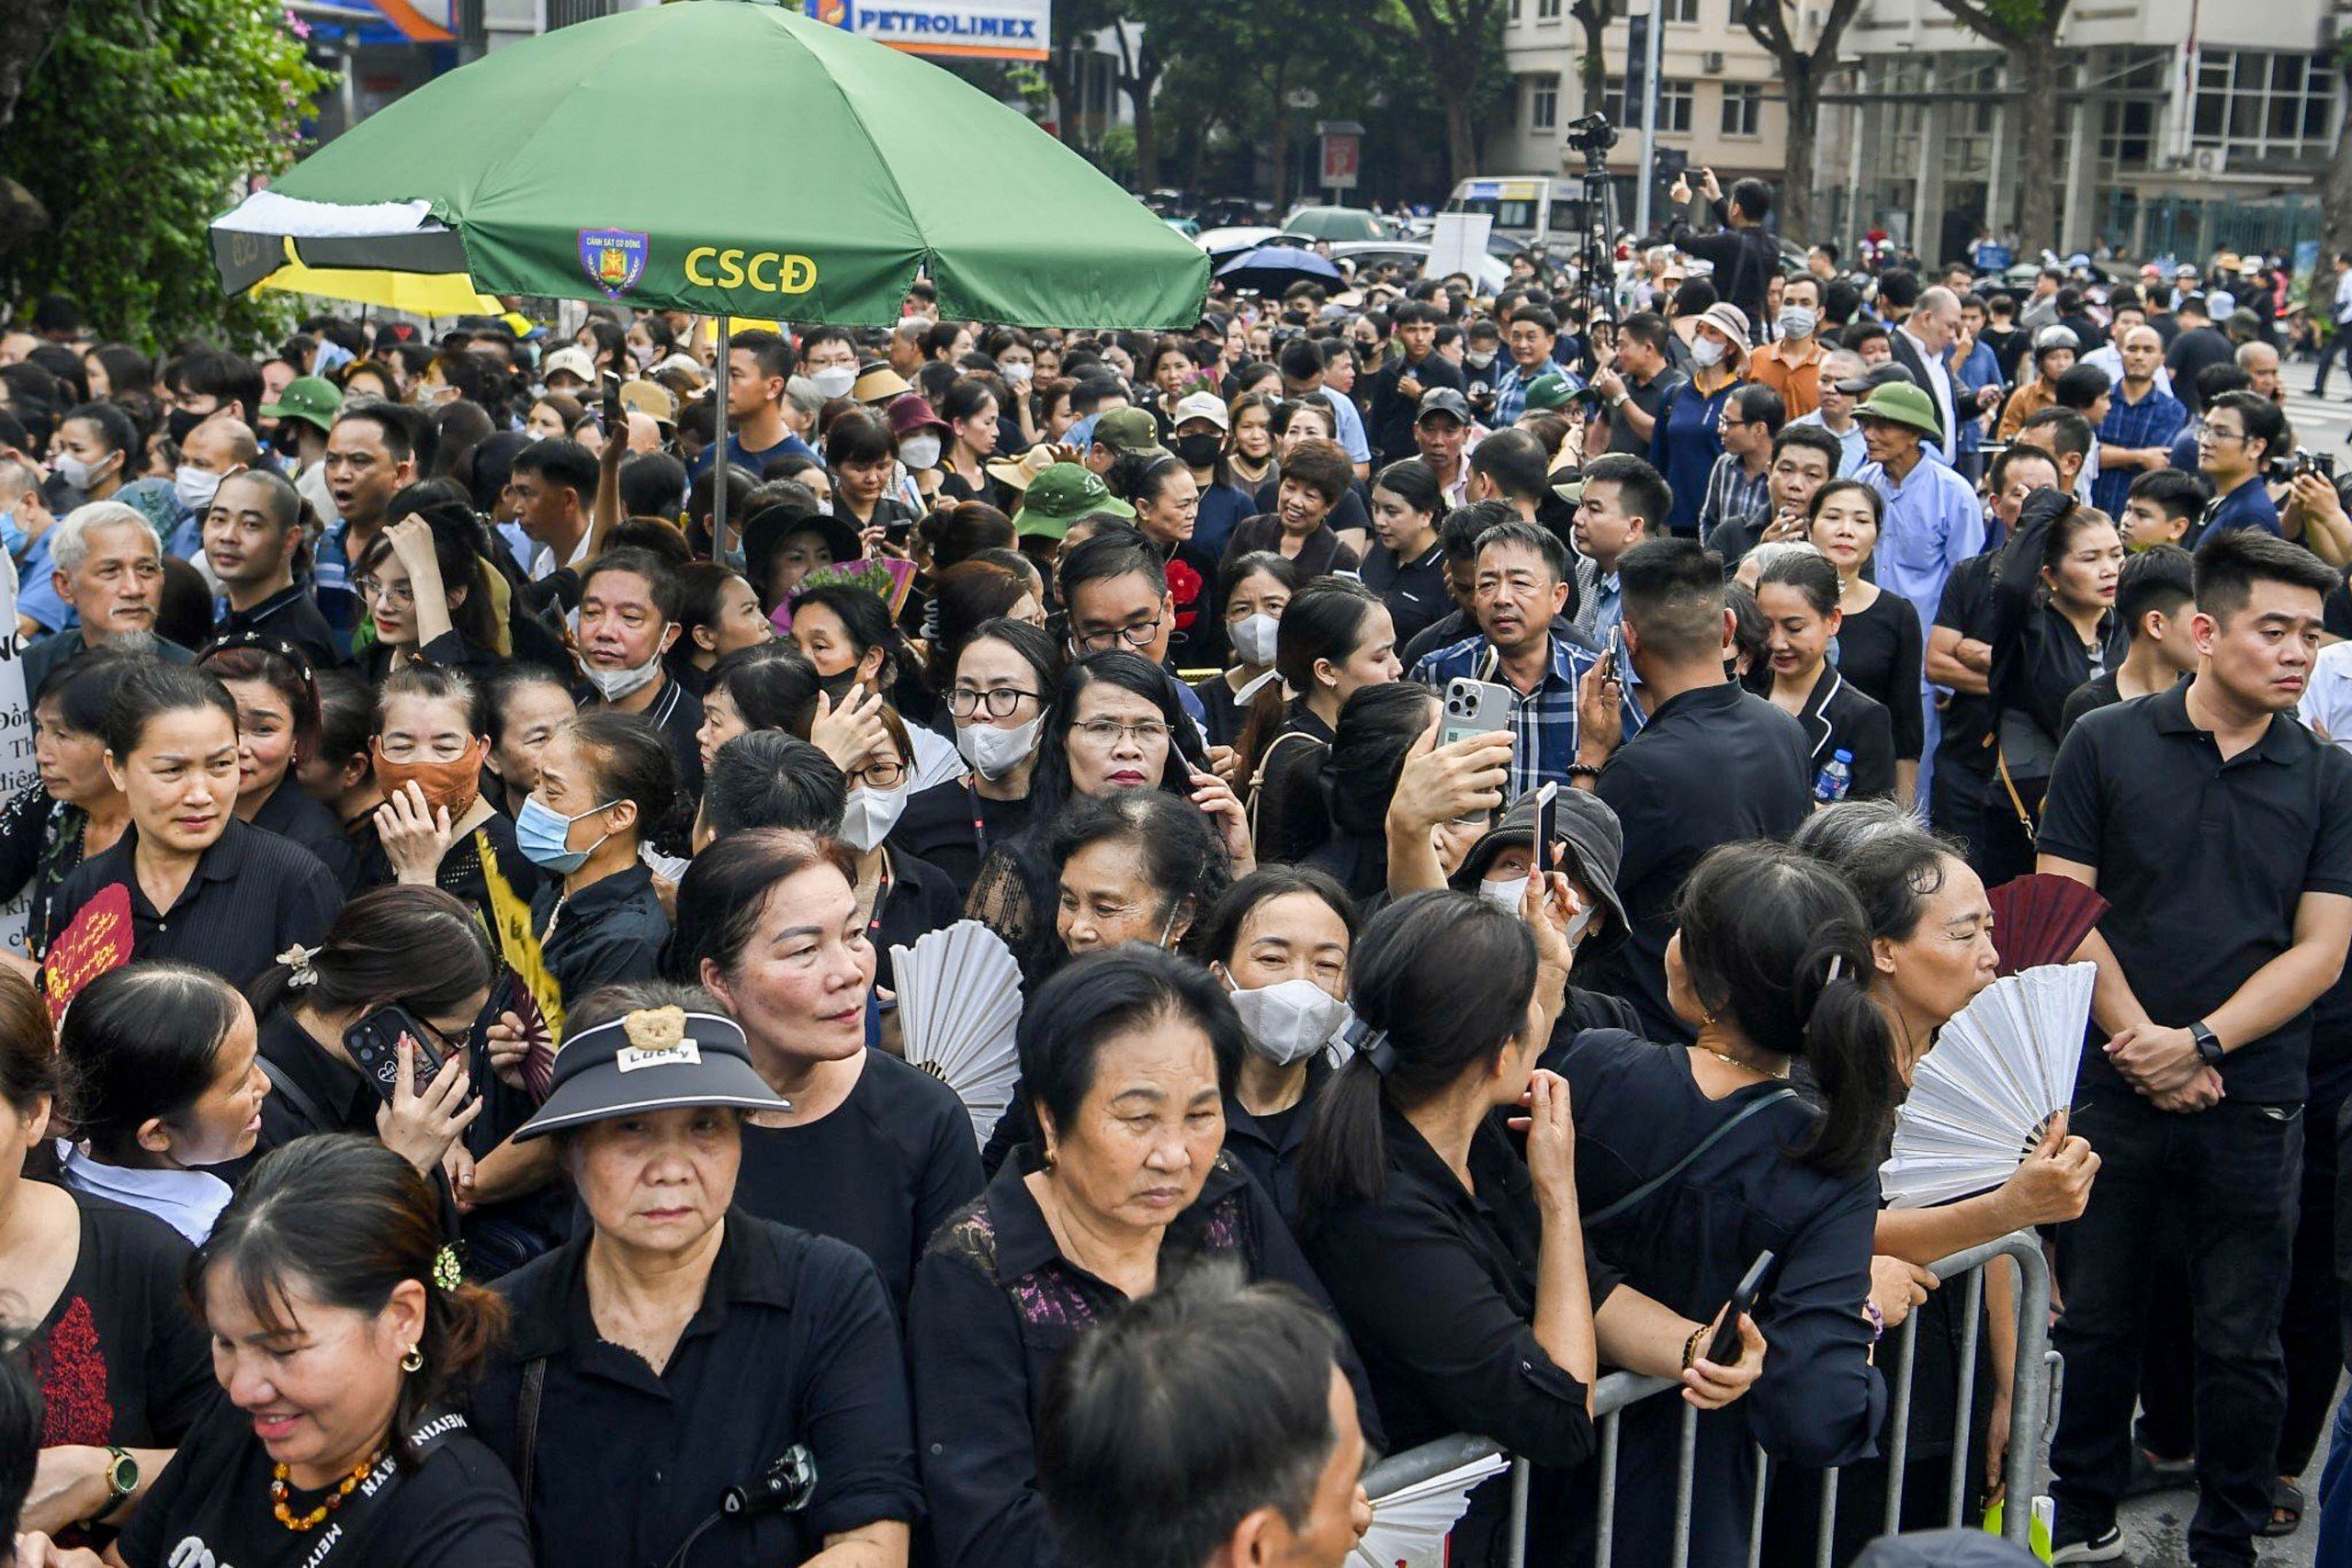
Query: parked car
[(1337, 223), (1223, 243)]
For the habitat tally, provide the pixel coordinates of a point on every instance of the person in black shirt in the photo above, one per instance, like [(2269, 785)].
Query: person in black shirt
[(680, 1345), (2051, 626), (596, 916), (870, 1151), (252, 532), (1407, 564), (1280, 938), (1713, 764), (1335, 639), (629, 604), (204, 887), (277, 718), (1471, 1299), (1958, 661), (996, 700), (1398, 387), (96, 1297), (1259, 588), (1744, 254), (1126, 1058), (2155, 597), (426, 591), (343, 1339), (2219, 830), (1878, 640), (1690, 1163), (74, 809), (1798, 594)]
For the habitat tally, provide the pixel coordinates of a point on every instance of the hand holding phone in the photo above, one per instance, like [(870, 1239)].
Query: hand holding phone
[(1724, 1349)]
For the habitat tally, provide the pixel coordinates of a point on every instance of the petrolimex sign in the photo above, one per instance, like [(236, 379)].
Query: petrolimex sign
[(973, 29)]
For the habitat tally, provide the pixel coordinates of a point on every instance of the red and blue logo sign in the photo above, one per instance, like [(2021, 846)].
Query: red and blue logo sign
[(614, 259)]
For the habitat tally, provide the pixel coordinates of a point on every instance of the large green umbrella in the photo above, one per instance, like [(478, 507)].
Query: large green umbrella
[(724, 156)]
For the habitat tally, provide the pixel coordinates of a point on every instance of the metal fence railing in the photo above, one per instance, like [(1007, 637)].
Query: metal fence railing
[(2037, 1383)]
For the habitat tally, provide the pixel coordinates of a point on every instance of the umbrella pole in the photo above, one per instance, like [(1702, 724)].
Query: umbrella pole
[(718, 452)]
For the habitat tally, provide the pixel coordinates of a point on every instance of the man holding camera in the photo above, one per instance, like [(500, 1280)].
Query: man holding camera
[(2242, 433)]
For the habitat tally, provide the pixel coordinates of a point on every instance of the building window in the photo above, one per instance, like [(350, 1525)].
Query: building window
[(1673, 108), (1743, 109), (1514, 10), (1547, 10), (2263, 103), (1542, 103), (1683, 11)]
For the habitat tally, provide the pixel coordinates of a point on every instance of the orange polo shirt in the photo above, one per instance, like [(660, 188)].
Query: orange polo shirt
[(1799, 383)]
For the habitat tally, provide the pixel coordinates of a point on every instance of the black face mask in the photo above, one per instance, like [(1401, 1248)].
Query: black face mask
[(1199, 451), (180, 424), (838, 687)]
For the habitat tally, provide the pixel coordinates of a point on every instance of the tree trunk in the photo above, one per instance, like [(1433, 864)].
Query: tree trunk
[(2033, 65), (1461, 144), (2336, 189), (26, 26), (1061, 70), (1139, 93), (1593, 65), (1804, 97)]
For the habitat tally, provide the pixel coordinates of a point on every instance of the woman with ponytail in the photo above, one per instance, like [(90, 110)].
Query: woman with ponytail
[(1692, 1162), (344, 1336)]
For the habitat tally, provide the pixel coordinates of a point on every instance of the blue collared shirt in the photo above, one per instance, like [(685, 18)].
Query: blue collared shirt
[(1543, 725), (1856, 450), (1932, 523)]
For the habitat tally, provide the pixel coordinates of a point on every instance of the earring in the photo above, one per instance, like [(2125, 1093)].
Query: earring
[(414, 1361)]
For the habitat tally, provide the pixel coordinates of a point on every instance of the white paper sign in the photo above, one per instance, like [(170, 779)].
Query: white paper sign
[(18, 770), (1457, 243)]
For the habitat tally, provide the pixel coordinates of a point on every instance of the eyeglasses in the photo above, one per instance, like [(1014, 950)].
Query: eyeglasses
[(372, 587), (1139, 636), (2212, 434), (880, 775), (1108, 732), (1000, 701), (454, 1044)]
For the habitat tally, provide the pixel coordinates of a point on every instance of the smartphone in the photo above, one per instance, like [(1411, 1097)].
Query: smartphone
[(1724, 1351), (1474, 707), (1611, 661), (615, 421), (374, 1045), (1547, 811)]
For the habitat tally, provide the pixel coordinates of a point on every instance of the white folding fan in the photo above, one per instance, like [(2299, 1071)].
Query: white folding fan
[(1409, 1527), (959, 1001), (1982, 1099)]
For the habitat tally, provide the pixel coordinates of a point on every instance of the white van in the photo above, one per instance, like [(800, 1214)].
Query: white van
[(1524, 207)]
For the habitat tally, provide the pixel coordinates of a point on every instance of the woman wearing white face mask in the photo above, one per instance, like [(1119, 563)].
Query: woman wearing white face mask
[(1688, 438), (1258, 590), (995, 699), (1280, 938), (900, 896)]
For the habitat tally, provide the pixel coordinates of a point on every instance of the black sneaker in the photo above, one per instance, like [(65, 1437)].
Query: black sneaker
[(2105, 1547)]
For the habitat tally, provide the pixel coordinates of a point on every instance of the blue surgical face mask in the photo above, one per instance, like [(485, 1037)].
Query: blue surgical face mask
[(12, 537), (544, 835)]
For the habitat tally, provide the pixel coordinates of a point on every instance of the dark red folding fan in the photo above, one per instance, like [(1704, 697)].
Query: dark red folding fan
[(2041, 919)]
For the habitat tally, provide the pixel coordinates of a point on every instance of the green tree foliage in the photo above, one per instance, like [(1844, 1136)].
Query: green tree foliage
[(139, 124)]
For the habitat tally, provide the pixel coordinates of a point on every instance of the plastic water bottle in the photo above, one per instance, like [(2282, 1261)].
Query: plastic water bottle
[(1836, 778)]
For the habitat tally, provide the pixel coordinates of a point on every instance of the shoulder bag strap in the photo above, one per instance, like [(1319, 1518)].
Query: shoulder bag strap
[(526, 1428), (289, 1090), (1721, 1132)]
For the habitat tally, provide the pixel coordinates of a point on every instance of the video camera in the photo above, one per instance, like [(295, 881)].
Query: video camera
[(1593, 136)]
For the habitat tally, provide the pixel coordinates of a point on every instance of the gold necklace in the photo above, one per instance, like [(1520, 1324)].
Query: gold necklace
[(278, 1491), (1730, 1061)]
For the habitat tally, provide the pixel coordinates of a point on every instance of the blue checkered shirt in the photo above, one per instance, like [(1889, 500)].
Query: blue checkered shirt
[(1542, 724), (2154, 420)]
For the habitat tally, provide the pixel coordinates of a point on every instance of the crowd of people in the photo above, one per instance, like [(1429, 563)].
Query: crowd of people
[(1490, 800)]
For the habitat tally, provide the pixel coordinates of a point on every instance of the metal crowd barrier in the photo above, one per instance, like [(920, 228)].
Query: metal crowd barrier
[(2033, 1415)]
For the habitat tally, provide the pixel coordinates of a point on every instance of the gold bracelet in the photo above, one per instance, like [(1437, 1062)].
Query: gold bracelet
[(1690, 1347)]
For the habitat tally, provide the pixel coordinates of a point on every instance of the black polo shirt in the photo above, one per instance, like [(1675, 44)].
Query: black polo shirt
[(2202, 863), (1713, 766), (1966, 728), (608, 933), (254, 895), (793, 1343), (677, 714), (1414, 590), (290, 615)]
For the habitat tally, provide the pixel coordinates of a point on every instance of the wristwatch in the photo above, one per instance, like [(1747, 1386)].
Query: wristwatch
[(122, 1480), (2209, 1044)]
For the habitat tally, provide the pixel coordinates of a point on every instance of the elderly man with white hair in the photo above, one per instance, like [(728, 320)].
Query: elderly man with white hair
[(109, 562), (1922, 345)]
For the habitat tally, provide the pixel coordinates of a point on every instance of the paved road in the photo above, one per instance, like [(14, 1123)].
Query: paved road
[(2155, 1528)]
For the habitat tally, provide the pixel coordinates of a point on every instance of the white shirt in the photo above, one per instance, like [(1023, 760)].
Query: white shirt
[(1939, 388), (2343, 297), (544, 565), (188, 1201), (2326, 707)]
